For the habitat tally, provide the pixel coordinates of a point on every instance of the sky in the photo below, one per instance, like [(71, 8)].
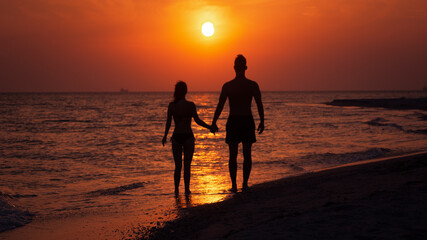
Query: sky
[(290, 45)]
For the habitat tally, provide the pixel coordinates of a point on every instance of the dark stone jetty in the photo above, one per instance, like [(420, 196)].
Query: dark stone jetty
[(391, 103)]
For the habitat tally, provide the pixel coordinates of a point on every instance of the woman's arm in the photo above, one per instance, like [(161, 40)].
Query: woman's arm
[(168, 124), (198, 120)]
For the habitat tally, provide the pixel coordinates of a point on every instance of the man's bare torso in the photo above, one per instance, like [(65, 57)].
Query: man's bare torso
[(240, 92)]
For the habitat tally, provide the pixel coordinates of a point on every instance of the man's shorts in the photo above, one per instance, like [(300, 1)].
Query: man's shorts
[(240, 129)]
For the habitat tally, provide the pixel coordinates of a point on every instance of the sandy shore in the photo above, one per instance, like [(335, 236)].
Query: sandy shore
[(377, 199)]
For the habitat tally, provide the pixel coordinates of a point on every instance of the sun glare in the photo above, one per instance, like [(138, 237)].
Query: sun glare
[(208, 29)]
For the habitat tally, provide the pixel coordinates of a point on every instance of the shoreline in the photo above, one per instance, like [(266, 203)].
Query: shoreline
[(96, 227), (381, 197)]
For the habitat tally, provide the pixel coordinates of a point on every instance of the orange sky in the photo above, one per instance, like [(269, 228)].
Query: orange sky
[(105, 45)]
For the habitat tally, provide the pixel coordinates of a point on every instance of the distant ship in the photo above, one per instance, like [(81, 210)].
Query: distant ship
[(123, 90)]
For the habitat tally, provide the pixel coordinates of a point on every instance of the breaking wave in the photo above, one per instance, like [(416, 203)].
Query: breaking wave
[(10, 215), (116, 190), (383, 123), (325, 160)]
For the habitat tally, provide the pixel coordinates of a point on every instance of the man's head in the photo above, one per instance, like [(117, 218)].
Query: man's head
[(240, 63)]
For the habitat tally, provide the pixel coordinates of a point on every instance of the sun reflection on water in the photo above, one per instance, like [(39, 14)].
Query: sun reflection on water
[(209, 183)]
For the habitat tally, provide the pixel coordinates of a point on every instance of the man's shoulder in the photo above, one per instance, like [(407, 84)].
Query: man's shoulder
[(227, 84), (252, 82), (239, 83)]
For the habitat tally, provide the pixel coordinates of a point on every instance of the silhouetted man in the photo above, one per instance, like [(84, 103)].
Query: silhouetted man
[(240, 124)]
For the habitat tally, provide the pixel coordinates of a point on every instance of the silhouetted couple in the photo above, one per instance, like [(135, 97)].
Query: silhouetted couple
[(240, 125)]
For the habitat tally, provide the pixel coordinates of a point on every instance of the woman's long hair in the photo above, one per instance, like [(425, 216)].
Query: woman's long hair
[(180, 91)]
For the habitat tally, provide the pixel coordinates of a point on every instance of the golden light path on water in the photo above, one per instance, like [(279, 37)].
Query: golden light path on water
[(207, 183), (210, 179)]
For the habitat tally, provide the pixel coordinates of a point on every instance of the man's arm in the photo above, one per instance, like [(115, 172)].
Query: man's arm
[(219, 107), (257, 96)]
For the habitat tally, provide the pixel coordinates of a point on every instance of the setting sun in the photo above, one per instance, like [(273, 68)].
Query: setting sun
[(208, 29)]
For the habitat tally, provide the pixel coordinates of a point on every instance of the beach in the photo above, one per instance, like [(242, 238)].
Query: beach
[(382, 198)]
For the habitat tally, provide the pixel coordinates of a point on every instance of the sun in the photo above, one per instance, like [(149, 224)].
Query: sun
[(208, 29)]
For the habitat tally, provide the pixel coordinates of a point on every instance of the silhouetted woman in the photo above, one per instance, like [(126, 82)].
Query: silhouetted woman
[(182, 139)]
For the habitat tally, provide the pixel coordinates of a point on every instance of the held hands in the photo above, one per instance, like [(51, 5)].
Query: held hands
[(260, 127), (214, 128)]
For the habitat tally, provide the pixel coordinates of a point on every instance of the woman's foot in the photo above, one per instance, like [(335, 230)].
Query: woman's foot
[(233, 188), (245, 187), (187, 191)]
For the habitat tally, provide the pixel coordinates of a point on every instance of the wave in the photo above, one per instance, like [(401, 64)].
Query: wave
[(54, 156), (423, 117), (139, 104), (116, 190), (334, 159), (383, 123), (23, 140), (318, 161), (125, 125), (90, 108), (67, 120), (11, 216), (419, 115), (418, 131)]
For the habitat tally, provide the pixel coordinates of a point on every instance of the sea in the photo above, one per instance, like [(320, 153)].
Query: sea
[(68, 156)]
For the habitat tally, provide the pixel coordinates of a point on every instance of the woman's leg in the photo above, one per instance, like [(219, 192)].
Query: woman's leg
[(188, 157), (177, 157)]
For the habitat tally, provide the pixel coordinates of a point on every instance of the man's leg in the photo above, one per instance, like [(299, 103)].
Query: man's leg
[(232, 164), (247, 163)]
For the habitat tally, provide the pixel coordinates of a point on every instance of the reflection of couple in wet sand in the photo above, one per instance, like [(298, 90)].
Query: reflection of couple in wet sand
[(240, 125)]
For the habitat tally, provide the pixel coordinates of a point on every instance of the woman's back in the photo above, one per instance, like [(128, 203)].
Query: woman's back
[(182, 112)]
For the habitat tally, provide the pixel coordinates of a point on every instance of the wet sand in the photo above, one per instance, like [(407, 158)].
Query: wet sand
[(375, 199)]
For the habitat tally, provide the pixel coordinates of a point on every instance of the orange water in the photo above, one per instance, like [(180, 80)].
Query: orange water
[(99, 156)]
